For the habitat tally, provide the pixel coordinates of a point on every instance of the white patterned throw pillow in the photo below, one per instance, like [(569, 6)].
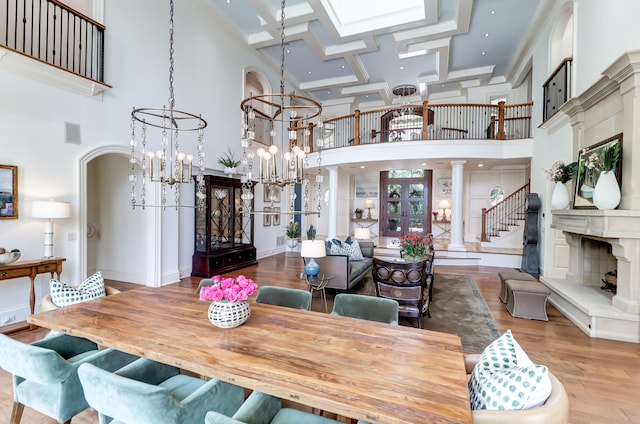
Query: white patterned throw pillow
[(64, 295), (352, 250), (506, 379)]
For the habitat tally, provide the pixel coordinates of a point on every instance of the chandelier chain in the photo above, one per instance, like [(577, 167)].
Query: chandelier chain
[(282, 49), (172, 99)]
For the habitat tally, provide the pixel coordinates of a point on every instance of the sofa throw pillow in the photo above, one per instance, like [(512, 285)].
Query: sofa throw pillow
[(505, 378), (352, 250), (64, 295)]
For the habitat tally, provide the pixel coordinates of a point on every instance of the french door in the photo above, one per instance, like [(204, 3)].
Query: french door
[(405, 202)]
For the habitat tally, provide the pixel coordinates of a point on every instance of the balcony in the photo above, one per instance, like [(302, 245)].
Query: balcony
[(48, 41)]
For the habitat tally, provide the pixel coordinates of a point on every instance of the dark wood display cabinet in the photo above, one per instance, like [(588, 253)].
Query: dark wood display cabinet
[(223, 234)]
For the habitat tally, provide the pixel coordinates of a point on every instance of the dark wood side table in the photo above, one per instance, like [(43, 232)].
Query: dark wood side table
[(30, 269)]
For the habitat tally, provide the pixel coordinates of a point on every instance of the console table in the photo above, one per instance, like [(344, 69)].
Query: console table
[(365, 223), (444, 229), (30, 269)]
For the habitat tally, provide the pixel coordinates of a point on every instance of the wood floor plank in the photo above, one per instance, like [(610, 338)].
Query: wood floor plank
[(602, 377)]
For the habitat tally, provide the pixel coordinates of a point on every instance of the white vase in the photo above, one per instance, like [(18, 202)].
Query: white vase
[(228, 314), (229, 170), (606, 194), (560, 196), (291, 243)]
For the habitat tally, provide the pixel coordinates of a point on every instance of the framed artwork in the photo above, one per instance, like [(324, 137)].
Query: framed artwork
[(366, 189), (588, 174), (271, 193), (444, 186), (276, 216), (266, 218), (8, 192)]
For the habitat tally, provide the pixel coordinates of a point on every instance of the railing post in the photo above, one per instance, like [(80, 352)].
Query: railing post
[(425, 120), (501, 134), (356, 136), (483, 235)]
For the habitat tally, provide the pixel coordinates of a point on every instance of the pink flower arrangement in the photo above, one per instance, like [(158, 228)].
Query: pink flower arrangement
[(416, 244), (229, 289)]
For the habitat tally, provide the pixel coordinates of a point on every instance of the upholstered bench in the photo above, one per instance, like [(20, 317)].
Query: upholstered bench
[(527, 299), (511, 275)]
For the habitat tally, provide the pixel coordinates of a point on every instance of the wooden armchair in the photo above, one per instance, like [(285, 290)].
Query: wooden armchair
[(406, 282)]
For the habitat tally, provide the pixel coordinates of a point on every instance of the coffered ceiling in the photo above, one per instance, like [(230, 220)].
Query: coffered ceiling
[(357, 51)]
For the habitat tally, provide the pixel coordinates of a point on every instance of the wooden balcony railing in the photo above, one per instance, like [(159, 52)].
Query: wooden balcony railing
[(557, 88), (440, 122), (504, 214), (53, 33)]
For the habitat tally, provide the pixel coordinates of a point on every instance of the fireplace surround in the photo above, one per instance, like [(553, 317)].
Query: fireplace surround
[(597, 312)]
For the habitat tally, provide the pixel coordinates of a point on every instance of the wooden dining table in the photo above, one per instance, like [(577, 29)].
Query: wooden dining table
[(375, 372)]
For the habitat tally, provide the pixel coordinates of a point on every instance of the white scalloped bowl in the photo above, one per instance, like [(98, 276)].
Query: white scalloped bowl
[(7, 258)]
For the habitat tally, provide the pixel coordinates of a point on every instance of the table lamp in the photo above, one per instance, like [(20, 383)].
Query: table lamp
[(312, 249), (49, 210), (444, 205), (369, 204), (362, 233)]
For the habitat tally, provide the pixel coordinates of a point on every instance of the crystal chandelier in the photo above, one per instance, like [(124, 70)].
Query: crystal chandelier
[(166, 164), (281, 165)]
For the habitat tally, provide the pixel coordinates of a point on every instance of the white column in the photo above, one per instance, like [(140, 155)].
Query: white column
[(332, 225), (457, 213)]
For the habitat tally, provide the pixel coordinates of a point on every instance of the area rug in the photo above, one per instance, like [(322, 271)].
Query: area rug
[(457, 308)]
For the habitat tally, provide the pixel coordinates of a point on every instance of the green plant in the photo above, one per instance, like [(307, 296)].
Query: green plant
[(293, 230), (610, 157), (311, 232), (228, 160), (560, 172)]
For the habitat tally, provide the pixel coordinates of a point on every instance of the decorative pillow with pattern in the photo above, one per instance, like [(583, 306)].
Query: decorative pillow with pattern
[(506, 379), (352, 250), (64, 295)]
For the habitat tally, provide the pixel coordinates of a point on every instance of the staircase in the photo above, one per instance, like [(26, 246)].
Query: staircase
[(503, 224)]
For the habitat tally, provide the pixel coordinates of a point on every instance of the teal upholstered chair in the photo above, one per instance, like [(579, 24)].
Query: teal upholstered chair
[(366, 307), (204, 282), (45, 373), (148, 392), (260, 408), (282, 296)]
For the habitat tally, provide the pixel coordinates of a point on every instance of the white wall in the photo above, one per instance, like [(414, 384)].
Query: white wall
[(208, 80)]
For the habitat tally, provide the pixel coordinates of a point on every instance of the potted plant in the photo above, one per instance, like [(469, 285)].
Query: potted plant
[(359, 213), (228, 160), (311, 232), (293, 234)]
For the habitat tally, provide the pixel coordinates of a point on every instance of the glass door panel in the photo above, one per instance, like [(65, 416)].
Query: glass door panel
[(406, 200)]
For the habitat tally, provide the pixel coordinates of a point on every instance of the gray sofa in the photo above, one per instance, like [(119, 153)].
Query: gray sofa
[(347, 273)]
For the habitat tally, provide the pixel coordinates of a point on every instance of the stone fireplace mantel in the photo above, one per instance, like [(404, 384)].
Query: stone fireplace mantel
[(595, 312)]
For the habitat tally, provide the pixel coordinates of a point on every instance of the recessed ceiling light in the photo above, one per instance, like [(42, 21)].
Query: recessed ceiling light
[(424, 164), (342, 66), (493, 12), (362, 166), (483, 53), (288, 51), (309, 72), (480, 165), (402, 67), (486, 34)]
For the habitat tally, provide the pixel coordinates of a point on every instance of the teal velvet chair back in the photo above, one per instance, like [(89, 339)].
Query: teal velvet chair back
[(204, 282), (45, 374), (283, 296), (366, 307), (260, 408), (148, 392)]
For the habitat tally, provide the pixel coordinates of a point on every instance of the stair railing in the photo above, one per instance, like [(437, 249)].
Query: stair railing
[(507, 212)]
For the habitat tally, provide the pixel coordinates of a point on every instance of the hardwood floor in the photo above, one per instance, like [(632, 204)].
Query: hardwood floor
[(601, 377)]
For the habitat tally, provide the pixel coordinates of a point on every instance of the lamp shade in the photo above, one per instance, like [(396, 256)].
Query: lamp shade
[(444, 204), (313, 249), (50, 210), (362, 233), (369, 204)]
